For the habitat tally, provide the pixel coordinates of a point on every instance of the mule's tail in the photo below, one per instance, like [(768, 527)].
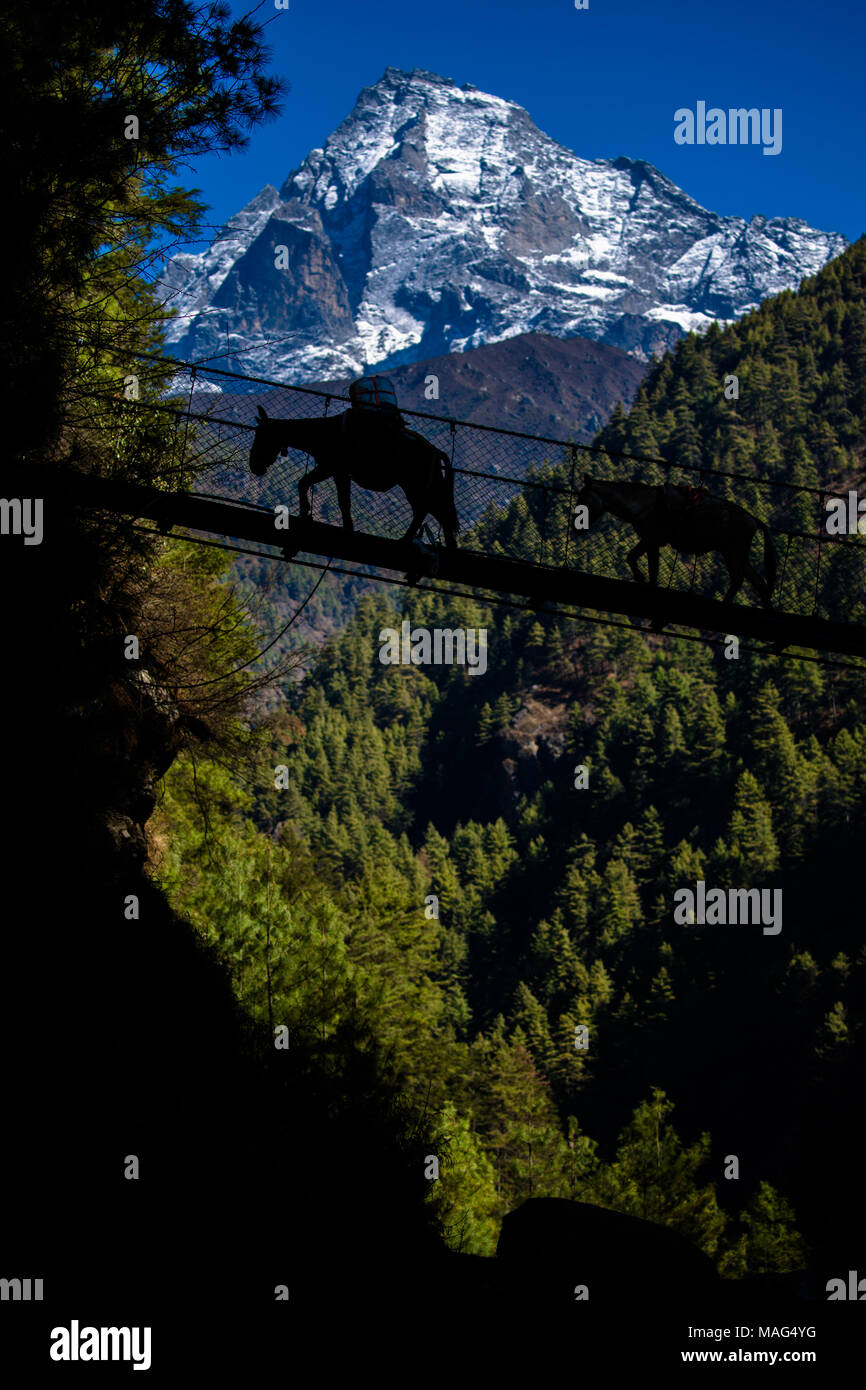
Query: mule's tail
[(769, 560)]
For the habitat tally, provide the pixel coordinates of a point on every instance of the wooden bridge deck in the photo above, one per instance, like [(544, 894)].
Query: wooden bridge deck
[(538, 583)]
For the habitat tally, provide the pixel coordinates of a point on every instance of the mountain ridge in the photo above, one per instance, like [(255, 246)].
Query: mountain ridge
[(438, 218), (533, 383)]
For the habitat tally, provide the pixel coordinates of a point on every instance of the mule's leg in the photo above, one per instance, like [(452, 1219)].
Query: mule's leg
[(652, 559), (315, 475), (736, 574), (419, 516), (416, 496), (344, 497), (759, 585), (442, 509), (633, 557), (448, 532)]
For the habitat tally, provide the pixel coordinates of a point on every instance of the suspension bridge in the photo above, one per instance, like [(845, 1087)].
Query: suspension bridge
[(515, 496)]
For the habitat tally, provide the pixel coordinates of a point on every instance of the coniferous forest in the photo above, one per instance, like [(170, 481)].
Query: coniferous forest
[(392, 867), (555, 906)]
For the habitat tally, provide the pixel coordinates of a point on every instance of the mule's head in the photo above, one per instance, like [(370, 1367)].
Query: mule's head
[(590, 497), (265, 448)]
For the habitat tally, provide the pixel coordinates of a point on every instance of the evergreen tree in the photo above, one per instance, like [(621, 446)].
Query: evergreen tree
[(464, 1197), (772, 1243), (620, 908), (754, 851), (516, 1119), (656, 1178), (532, 1020)]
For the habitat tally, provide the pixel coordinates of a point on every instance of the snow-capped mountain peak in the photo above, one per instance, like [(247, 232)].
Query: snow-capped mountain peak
[(437, 218)]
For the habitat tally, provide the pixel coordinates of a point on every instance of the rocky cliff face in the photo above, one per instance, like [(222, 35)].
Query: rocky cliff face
[(438, 218)]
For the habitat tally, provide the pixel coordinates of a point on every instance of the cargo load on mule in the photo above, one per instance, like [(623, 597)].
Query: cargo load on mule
[(375, 396)]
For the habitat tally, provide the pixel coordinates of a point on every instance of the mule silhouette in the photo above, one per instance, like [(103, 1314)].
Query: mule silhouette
[(368, 449), (691, 520)]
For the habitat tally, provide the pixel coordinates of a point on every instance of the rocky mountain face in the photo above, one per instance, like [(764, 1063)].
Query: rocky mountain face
[(439, 218)]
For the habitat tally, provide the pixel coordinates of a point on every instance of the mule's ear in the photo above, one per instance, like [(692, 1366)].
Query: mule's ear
[(587, 479), (261, 414)]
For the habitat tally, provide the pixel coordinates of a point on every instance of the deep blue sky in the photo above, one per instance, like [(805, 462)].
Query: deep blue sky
[(604, 81)]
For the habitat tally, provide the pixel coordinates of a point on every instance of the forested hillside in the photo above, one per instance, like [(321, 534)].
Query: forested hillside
[(800, 362), (555, 903)]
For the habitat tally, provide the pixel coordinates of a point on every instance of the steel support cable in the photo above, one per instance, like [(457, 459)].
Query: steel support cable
[(642, 458), (494, 600), (493, 429), (516, 482), (214, 680)]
